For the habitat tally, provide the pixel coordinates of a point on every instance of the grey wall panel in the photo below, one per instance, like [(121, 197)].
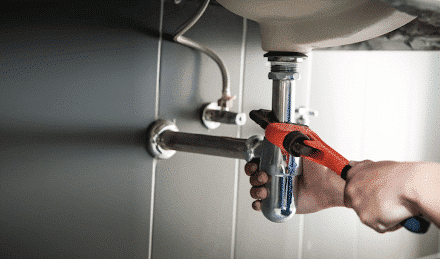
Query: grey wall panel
[(76, 76), (79, 201), (75, 102), (194, 196)]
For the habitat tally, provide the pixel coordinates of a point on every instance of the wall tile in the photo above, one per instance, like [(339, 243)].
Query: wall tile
[(193, 213), (375, 114), (337, 94), (75, 102), (398, 119)]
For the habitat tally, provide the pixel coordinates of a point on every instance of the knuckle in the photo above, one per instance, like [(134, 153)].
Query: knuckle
[(261, 193), (253, 192), (256, 205), (254, 180), (258, 192), (250, 168), (258, 178), (365, 218), (381, 228), (372, 223), (367, 161), (262, 177)]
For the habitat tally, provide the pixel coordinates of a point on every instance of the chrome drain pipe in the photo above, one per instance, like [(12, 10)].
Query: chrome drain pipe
[(280, 206), (164, 139)]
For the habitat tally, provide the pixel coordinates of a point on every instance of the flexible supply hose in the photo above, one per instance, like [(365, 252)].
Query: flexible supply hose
[(225, 102)]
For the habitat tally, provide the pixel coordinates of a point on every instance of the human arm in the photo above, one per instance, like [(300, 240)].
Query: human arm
[(426, 193), (385, 193)]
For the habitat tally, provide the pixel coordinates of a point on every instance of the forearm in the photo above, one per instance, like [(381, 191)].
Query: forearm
[(318, 188), (424, 190)]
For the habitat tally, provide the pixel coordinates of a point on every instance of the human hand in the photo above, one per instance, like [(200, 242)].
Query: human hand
[(318, 187), (380, 193)]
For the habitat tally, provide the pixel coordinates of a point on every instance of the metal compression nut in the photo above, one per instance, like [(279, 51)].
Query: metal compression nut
[(284, 75)]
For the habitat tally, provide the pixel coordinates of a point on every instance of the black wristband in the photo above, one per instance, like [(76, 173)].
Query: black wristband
[(345, 171)]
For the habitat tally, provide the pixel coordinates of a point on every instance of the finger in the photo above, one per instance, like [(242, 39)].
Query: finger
[(382, 228), (396, 227), (256, 205), (250, 168), (258, 193), (347, 201), (259, 178)]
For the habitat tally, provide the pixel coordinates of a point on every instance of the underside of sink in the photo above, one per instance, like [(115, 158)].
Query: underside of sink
[(302, 25)]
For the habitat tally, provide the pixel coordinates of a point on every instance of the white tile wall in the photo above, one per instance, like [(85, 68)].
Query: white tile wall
[(382, 112)]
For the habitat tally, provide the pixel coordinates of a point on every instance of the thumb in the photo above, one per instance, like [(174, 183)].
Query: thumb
[(353, 163)]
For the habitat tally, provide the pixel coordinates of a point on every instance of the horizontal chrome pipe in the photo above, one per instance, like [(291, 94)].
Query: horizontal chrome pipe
[(204, 144), (164, 139)]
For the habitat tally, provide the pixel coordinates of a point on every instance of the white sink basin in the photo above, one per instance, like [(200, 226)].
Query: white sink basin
[(303, 25)]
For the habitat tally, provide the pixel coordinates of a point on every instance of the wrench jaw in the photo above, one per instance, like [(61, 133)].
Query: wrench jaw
[(294, 144)]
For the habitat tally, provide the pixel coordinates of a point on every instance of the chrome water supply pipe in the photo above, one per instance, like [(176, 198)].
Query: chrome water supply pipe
[(279, 205)]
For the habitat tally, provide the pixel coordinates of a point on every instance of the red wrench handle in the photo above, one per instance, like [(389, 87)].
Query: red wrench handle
[(326, 156)]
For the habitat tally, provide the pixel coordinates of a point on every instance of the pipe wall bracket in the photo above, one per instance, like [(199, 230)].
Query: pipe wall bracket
[(154, 146)]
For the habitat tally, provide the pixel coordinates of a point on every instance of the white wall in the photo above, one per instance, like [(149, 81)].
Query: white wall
[(77, 182), (378, 106)]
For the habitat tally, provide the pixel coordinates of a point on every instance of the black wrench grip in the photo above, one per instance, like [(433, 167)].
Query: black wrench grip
[(416, 224)]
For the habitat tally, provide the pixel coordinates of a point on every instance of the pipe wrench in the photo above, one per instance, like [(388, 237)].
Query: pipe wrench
[(298, 140)]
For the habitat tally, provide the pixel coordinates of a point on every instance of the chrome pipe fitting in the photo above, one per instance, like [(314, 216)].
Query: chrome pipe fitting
[(154, 143), (213, 116), (303, 115), (280, 206)]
